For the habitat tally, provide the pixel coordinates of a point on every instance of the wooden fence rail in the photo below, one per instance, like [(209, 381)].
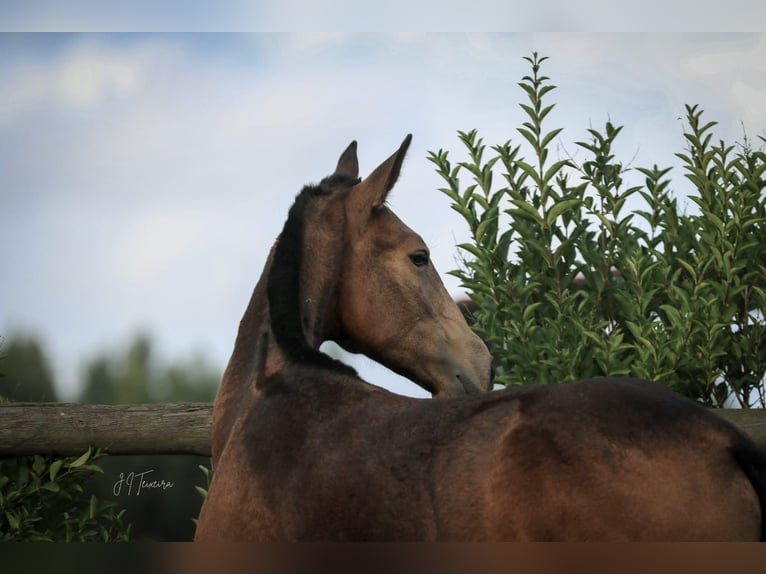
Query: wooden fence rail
[(164, 428), (68, 428)]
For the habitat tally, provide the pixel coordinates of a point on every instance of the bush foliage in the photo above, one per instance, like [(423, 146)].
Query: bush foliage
[(42, 499), (568, 283)]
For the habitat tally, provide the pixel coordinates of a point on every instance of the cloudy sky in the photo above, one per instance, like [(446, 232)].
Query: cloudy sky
[(143, 177)]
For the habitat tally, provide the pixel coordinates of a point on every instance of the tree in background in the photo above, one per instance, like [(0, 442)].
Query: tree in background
[(122, 377), (26, 372), (568, 284)]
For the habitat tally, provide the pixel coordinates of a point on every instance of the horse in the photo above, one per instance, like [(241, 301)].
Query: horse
[(304, 449)]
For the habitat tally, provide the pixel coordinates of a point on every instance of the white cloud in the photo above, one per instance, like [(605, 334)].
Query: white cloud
[(85, 75), (750, 96), (91, 76), (735, 71), (158, 243)]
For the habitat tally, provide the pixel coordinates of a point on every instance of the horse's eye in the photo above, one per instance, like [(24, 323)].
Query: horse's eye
[(419, 258)]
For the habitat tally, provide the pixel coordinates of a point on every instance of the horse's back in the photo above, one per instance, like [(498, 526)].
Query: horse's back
[(616, 460)]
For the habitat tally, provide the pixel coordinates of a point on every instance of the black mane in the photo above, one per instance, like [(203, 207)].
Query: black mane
[(283, 288)]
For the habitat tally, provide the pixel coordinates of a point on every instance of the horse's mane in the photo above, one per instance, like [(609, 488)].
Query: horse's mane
[(284, 283)]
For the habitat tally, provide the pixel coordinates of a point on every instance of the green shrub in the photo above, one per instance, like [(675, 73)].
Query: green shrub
[(569, 284), (42, 498), (207, 471)]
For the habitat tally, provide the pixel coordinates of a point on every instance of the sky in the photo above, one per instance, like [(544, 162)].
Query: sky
[(389, 16), (144, 176)]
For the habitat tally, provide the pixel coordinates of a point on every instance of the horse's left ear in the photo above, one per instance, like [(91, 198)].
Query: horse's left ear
[(383, 178), (348, 163)]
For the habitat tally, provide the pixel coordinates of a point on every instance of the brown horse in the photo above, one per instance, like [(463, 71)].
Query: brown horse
[(306, 450)]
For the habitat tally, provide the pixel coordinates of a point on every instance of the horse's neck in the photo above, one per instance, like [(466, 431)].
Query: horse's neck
[(253, 351), (257, 355)]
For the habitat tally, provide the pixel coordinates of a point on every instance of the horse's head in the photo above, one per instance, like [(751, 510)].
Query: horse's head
[(372, 281)]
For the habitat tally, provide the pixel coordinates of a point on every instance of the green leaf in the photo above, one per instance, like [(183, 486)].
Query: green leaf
[(554, 169), (560, 208), (51, 486), (527, 88), (544, 112), (489, 219), (689, 269), (54, 469), (525, 210), (545, 89), (673, 315), (13, 520), (635, 330), (715, 220), (550, 135), (93, 506), (81, 460), (472, 249), (529, 135), (38, 466), (529, 310), (92, 468), (529, 110)]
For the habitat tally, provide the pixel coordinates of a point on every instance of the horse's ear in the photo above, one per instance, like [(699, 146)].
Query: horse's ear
[(348, 163), (383, 178)]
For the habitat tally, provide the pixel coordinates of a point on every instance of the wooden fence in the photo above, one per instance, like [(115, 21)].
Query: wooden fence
[(164, 428), (69, 428)]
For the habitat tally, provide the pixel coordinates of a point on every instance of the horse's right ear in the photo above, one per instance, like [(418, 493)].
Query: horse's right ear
[(348, 163)]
